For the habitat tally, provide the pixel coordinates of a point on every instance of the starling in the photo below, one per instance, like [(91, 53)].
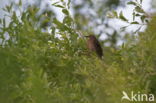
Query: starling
[(94, 45)]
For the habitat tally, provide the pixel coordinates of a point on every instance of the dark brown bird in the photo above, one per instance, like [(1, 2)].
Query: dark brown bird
[(94, 45)]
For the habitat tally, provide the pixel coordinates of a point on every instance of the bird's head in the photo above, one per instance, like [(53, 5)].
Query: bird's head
[(91, 37)]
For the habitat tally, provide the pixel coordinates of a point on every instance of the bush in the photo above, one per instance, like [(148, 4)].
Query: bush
[(39, 67)]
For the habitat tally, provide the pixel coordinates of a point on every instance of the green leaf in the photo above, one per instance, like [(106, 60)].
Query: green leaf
[(132, 3), (139, 9), (115, 13), (141, 1), (69, 1), (123, 28), (143, 18), (67, 20), (55, 3), (14, 17), (135, 22), (9, 7), (59, 6), (121, 16), (138, 29), (147, 21), (112, 14), (58, 23), (134, 16), (53, 30), (65, 11), (20, 3), (4, 24), (137, 15)]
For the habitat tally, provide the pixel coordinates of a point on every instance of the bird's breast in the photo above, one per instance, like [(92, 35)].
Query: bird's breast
[(90, 45)]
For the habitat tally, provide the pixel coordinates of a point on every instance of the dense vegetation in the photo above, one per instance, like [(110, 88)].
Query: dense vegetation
[(41, 67)]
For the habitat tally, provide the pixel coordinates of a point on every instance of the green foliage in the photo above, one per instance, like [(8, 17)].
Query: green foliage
[(40, 67), (138, 12)]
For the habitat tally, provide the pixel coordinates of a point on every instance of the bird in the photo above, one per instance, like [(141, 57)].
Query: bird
[(94, 45)]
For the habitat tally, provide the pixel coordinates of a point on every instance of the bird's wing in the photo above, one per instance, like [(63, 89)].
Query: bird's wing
[(98, 48)]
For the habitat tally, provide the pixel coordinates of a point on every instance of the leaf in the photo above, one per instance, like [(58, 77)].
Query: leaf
[(134, 16), (59, 6), (69, 1), (14, 17), (121, 16), (147, 21), (141, 1), (20, 3), (115, 13), (143, 18), (55, 3), (132, 3), (67, 20), (112, 14), (58, 23), (135, 22), (123, 28), (65, 11), (138, 30), (139, 9), (23, 16), (53, 30), (4, 24), (137, 15), (9, 7)]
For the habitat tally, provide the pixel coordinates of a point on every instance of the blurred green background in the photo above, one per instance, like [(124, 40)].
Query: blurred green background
[(44, 60)]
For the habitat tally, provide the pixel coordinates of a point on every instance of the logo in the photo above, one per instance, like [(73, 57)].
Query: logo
[(137, 97)]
